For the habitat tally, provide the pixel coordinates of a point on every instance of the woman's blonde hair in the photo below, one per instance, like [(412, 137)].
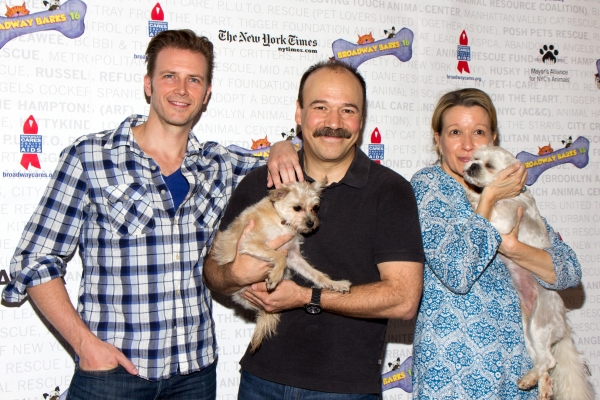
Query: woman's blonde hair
[(469, 97)]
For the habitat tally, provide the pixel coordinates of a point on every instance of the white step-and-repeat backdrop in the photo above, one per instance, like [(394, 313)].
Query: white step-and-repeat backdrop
[(78, 68)]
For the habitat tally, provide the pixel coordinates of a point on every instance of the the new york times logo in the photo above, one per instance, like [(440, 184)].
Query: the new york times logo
[(291, 42)]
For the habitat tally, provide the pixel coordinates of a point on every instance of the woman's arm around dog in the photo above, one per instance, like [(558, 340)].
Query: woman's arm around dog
[(556, 267)]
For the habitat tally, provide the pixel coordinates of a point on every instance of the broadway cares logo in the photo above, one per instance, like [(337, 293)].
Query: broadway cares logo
[(463, 56), (157, 24), (376, 149), (267, 40), (30, 145)]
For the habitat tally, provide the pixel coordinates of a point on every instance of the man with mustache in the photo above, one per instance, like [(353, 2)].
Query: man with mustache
[(329, 344)]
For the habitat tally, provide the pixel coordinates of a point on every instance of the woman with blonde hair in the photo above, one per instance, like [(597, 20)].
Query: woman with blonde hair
[(469, 341)]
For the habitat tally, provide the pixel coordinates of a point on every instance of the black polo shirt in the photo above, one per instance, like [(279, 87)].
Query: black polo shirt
[(367, 218)]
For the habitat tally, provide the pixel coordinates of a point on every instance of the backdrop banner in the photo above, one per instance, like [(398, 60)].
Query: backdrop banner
[(68, 68)]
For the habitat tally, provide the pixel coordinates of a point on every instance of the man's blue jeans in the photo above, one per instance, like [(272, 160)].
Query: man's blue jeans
[(255, 388), (118, 384)]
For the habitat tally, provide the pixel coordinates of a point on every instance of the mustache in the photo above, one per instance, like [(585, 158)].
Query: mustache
[(337, 133)]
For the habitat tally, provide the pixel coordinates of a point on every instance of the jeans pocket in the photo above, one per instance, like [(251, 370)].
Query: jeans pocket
[(98, 374)]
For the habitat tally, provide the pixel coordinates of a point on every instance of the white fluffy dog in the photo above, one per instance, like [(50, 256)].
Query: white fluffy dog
[(289, 210), (558, 368)]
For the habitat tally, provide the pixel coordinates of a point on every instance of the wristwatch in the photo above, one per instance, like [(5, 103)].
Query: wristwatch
[(314, 307)]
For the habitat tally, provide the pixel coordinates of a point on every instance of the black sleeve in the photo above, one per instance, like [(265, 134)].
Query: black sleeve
[(251, 190), (398, 236)]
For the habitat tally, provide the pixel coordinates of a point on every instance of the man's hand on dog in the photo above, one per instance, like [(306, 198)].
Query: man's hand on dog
[(245, 269), (283, 165), (285, 296)]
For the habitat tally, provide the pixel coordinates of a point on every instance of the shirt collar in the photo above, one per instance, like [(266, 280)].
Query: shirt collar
[(357, 174), (123, 136)]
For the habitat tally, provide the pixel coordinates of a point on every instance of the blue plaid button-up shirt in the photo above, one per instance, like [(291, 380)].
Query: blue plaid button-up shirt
[(141, 287)]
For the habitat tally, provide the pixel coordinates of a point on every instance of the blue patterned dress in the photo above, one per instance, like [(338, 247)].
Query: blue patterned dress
[(469, 338)]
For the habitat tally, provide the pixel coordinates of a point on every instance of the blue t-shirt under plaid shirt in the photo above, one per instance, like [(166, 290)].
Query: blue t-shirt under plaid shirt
[(141, 288)]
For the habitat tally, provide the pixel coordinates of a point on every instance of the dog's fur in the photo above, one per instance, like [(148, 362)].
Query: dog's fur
[(289, 210), (558, 369)]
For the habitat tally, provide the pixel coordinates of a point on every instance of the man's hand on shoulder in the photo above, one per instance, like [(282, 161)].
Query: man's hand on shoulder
[(283, 164)]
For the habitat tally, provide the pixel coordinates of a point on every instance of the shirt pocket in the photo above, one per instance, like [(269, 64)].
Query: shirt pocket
[(129, 210), (210, 204)]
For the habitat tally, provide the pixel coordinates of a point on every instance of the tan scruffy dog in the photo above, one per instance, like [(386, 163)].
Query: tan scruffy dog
[(558, 368), (289, 210)]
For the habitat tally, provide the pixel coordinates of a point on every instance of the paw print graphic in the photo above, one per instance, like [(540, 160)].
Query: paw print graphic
[(548, 54)]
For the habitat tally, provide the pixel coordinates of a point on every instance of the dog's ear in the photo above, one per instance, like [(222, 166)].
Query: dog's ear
[(278, 194)]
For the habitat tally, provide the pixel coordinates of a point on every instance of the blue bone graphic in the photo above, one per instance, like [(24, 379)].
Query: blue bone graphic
[(400, 377), (14, 27), (356, 54), (577, 154)]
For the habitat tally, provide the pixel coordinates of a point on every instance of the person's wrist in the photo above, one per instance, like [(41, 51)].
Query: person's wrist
[(82, 343), (488, 197), (305, 295)]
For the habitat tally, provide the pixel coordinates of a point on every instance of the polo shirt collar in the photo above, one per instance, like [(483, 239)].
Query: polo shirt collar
[(357, 174)]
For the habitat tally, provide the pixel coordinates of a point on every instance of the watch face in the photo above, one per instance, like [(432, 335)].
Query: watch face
[(312, 309)]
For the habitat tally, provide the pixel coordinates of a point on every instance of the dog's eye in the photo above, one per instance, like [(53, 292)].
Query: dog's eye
[(489, 166), (316, 209), (297, 208)]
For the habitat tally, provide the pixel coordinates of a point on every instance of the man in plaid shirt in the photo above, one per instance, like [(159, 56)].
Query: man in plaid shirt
[(142, 203)]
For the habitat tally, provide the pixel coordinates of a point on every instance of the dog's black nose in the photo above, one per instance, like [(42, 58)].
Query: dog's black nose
[(474, 167), (310, 224)]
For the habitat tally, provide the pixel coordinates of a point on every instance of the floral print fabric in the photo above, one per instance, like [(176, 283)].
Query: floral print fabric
[(469, 338)]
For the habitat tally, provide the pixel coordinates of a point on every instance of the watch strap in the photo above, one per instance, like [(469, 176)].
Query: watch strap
[(316, 296), (314, 307)]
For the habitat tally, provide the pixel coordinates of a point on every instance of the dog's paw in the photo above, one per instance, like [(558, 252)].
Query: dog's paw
[(545, 391), (271, 284), (528, 381), (273, 279), (341, 286)]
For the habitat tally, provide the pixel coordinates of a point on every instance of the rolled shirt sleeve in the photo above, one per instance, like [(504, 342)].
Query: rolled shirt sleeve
[(52, 233)]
